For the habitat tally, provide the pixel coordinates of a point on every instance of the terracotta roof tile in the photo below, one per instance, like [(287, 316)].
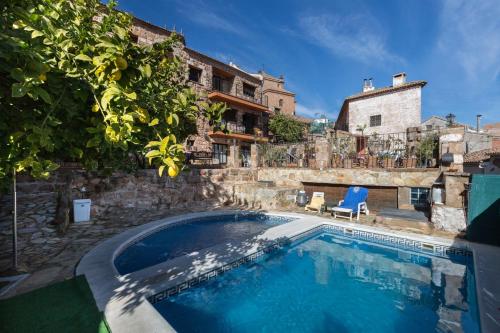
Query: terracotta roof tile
[(480, 155)]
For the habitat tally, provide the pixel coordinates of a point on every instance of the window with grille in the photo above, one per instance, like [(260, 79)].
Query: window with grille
[(418, 196), (194, 74), (281, 103), (375, 120), (220, 153), (248, 90)]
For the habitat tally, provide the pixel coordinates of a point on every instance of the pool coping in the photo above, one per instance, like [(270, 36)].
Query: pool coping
[(124, 298)]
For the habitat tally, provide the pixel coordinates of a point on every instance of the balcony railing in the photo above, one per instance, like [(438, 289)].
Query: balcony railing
[(238, 92), (233, 127), (396, 150)]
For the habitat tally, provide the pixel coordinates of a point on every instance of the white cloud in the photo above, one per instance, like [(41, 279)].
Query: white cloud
[(358, 37), (470, 35), (312, 112), (202, 14)]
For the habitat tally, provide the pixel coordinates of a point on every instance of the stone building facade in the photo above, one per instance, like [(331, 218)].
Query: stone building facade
[(384, 110), (246, 118), (275, 96)]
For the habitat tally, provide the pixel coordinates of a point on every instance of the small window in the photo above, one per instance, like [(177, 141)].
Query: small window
[(194, 74), (375, 120), (277, 110), (418, 196), (281, 103), (248, 90), (220, 153), (134, 38)]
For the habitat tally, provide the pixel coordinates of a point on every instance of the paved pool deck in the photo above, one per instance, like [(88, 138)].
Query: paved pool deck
[(124, 298)]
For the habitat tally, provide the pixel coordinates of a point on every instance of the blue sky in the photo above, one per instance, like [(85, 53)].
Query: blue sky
[(326, 48)]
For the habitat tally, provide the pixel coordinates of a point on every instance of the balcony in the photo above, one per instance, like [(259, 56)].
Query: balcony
[(237, 100), (244, 132)]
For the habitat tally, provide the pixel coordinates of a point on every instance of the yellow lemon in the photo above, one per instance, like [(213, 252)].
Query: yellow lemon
[(173, 172), (42, 77), (95, 108), (116, 76), (121, 63)]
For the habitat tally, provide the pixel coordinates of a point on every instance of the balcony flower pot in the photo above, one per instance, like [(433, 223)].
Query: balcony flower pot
[(372, 161), (388, 162), (347, 163), (410, 162)]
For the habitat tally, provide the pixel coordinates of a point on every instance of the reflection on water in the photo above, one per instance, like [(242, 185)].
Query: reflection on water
[(446, 286), (332, 284), (191, 237)]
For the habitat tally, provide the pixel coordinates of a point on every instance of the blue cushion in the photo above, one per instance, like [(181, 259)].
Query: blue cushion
[(353, 197)]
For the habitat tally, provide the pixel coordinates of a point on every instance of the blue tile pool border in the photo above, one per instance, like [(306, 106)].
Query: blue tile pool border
[(419, 246)]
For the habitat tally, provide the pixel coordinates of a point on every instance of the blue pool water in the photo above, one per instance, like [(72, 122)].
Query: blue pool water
[(332, 284), (195, 235)]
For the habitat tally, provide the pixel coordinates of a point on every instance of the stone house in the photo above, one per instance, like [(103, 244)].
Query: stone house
[(274, 94), (434, 123), (385, 110), (247, 116)]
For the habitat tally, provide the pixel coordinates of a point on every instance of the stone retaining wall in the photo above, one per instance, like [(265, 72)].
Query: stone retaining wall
[(367, 177)]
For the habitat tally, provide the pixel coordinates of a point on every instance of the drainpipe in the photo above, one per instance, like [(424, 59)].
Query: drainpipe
[(14, 220)]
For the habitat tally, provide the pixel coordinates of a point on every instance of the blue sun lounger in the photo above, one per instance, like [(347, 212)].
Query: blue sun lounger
[(354, 202)]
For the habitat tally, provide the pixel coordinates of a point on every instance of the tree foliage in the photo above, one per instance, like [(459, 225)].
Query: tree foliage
[(76, 87), (286, 128)]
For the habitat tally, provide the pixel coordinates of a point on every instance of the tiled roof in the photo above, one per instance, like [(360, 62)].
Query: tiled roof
[(480, 155), (385, 90)]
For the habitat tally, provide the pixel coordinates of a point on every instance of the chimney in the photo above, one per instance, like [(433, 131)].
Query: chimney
[(398, 79), (478, 117), (368, 85)]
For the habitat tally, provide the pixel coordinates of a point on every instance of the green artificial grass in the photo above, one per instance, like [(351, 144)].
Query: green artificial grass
[(62, 307)]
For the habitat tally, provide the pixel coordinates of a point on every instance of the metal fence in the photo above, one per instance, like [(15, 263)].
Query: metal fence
[(418, 149), (287, 155)]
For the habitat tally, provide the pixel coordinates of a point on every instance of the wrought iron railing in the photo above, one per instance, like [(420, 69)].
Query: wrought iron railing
[(418, 149)]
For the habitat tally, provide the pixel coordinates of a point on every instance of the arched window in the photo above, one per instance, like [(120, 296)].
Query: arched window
[(281, 102)]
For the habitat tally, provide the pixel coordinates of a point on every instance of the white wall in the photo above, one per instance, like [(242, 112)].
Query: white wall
[(399, 110)]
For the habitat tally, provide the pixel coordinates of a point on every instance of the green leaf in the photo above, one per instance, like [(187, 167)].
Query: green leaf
[(17, 74), (169, 161), (147, 70), (160, 170), (83, 57), (128, 117), (163, 144), (36, 34), (152, 144), (153, 153), (43, 94), (132, 95), (108, 95), (19, 90)]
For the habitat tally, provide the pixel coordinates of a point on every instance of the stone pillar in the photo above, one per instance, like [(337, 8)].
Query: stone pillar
[(453, 143), (233, 160), (323, 154), (239, 117), (254, 156)]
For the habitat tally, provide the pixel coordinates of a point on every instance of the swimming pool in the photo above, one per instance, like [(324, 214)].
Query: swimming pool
[(330, 283), (193, 235)]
